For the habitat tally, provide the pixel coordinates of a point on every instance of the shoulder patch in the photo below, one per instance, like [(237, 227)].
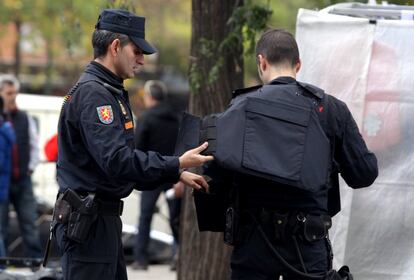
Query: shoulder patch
[(105, 114)]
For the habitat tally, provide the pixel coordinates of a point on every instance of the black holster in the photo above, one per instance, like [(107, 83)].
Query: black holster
[(77, 213)]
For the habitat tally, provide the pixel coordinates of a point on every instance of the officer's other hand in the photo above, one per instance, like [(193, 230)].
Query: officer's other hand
[(192, 158), (194, 181), (178, 189)]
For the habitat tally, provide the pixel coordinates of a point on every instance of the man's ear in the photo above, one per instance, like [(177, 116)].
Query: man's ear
[(262, 62), (114, 47), (298, 65)]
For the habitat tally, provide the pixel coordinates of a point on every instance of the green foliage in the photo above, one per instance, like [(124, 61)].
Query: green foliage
[(120, 4), (207, 47), (215, 71), (195, 77), (245, 22), (15, 10)]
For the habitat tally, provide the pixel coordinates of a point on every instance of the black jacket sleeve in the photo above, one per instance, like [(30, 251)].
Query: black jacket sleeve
[(111, 145), (357, 165)]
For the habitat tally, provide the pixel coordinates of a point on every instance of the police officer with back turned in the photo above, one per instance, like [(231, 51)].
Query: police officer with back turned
[(277, 223), (97, 163)]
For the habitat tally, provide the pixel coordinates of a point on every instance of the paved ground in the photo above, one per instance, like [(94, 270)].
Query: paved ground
[(154, 272)]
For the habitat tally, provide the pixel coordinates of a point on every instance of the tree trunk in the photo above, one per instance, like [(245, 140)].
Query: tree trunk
[(209, 21), (17, 52), (204, 256)]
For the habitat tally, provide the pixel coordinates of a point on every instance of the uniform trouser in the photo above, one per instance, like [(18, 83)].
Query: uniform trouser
[(147, 208), (23, 200), (100, 257), (254, 260)]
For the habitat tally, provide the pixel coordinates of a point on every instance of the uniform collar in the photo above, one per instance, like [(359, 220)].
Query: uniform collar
[(319, 93), (104, 74), (283, 80)]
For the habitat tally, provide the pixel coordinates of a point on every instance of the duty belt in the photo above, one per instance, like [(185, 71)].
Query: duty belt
[(110, 208), (311, 227), (103, 207)]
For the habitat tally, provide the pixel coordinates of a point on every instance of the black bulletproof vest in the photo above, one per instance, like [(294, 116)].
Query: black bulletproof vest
[(21, 127), (273, 133)]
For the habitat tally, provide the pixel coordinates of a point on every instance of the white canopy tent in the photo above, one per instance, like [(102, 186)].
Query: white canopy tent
[(365, 57)]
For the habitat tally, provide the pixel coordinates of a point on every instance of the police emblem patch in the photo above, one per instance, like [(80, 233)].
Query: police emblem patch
[(105, 114)]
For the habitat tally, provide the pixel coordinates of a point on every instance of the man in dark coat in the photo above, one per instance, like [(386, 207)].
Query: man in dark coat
[(157, 130)]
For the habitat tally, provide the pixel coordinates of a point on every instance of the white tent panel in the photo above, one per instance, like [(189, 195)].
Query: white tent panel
[(370, 67)]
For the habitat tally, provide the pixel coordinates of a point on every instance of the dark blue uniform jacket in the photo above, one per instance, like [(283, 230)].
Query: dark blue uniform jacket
[(96, 141)]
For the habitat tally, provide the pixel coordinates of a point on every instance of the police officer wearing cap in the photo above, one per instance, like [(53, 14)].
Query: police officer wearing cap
[(97, 163), (278, 229)]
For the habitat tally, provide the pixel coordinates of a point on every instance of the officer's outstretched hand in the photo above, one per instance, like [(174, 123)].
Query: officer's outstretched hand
[(194, 181), (192, 158)]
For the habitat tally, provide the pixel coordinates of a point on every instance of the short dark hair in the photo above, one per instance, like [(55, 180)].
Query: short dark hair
[(101, 39), (279, 47), (156, 89)]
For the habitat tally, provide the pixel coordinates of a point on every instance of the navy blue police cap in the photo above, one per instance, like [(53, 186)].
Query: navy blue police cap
[(124, 22)]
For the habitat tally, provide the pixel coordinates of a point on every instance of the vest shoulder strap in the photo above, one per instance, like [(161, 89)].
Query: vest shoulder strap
[(241, 91), (314, 90)]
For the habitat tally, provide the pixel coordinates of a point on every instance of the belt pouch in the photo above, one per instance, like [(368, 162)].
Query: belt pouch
[(314, 228)]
